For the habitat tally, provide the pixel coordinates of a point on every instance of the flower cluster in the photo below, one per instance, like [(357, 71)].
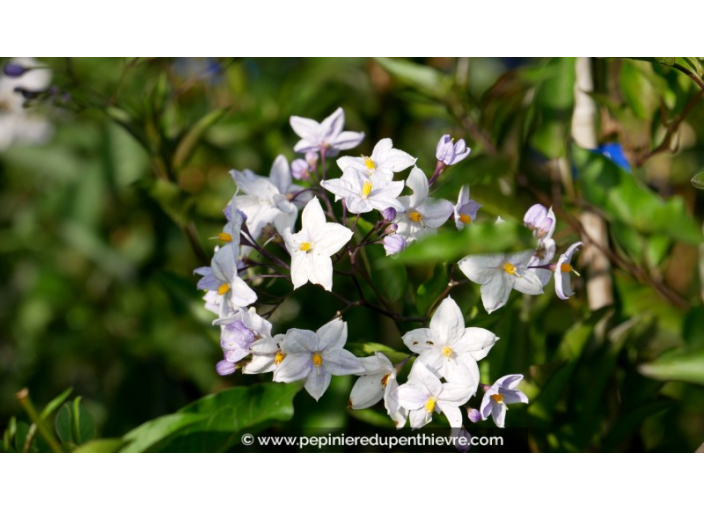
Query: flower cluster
[(263, 238)]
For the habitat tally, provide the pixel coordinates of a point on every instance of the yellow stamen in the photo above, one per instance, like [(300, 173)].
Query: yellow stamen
[(225, 237), (511, 269), (317, 360), (430, 405), (305, 246), (465, 218), (223, 289), (369, 163), (366, 189), (280, 356), (385, 380), (447, 352), (415, 216), (498, 398), (567, 268)]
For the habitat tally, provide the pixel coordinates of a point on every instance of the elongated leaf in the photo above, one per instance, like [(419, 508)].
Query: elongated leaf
[(54, 404), (425, 79), (213, 423), (686, 366), (189, 142)]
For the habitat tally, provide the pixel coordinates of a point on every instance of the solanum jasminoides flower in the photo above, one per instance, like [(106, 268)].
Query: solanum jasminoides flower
[(326, 136), (316, 357), (424, 394), (394, 243), (450, 153), (376, 382), (563, 271), (541, 221), (313, 246), (384, 161), (222, 278), (498, 395), (421, 215), (498, 273), (365, 192), (450, 349), (465, 209)]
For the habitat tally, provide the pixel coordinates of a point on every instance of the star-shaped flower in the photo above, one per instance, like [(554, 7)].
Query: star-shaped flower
[(499, 394), (326, 136), (424, 394), (563, 270), (365, 192), (465, 209), (378, 381), (450, 349), (313, 246), (421, 215), (316, 357), (221, 277), (385, 160), (498, 273)]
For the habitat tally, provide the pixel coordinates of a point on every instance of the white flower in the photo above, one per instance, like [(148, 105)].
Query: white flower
[(17, 124), (267, 355), (378, 381), (563, 270), (325, 136), (313, 246), (424, 394), (385, 160), (498, 273), (500, 393), (364, 192), (316, 357), (421, 215), (542, 222), (266, 200), (450, 349), (465, 209), (221, 277)]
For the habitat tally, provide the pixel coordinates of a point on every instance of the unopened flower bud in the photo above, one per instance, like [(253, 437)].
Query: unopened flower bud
[(14, 70), (236, 336), (394, 244), (534, 216), (463, 441), (312, 159), (300, 169), (391, 229), (449, 153), (224, 367), (474, 415), (389, 214)]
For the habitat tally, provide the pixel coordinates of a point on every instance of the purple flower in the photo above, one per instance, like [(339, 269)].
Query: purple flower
[(235, 340), (224, 367), (563, 272), (394, 244), (389, 214), (463, 441), (449, 153), (501, 393), (324, 136), (474, 415), (300, 169), (540, 220)]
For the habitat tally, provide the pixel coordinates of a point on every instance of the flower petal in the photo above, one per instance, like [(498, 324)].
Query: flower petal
[(481, 268), (447, 323), (495, 293), (317, 382)]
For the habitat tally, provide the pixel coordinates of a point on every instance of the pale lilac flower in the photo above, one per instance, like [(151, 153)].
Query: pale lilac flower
[(465, 209), (268, 200), (474, 415), (394, 244), (385, 160), (364, 192), (389, 214), (563, 270), (541, 221), (237, 334), (449, 153), (313, 246), (424, 394), (222, 278), (498, 273), (376, 382), (450, 349), (300, 169), (316, 357), (326, 136), (501, 393), (19, 125), (421, 215)]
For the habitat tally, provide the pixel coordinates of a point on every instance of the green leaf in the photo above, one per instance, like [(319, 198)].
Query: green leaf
[(680, 365), (637, 90), (63, 424), (74, 424), (175, 203), (189, 142), (54, 404), (554, 100), (101, 446), (477, 238), (362, 349), (213, 423), (698, 180), (623, 198), (425, 79)]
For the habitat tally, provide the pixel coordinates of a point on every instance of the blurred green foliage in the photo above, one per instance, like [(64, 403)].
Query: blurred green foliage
[(101, 228)]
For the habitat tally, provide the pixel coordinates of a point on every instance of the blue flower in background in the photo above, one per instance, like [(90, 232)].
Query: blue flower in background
[(615, 153)]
